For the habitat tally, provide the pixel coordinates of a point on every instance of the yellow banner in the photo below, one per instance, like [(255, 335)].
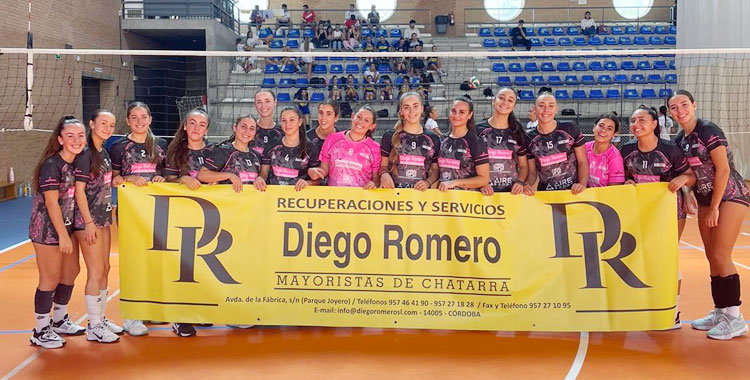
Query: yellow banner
[(604, 260)]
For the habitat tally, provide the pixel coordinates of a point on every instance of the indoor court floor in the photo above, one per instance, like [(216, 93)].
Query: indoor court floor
[(362, 353)]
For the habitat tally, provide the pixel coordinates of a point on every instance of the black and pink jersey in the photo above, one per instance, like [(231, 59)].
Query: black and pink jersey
[(416, 152), (196, 159), (98, 188), (54, 175), (697, 147), (555, 155), (226, 158), (662, 164), (503, 151), (315, 144), (129, 158), (460, 156), (266, 138), (287, 167)]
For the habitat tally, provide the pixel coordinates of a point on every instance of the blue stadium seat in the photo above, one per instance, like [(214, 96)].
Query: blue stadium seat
[(625, 41), (644, 65), (396, 32), (631, 30), (521, 80), (289, 69), (573, 31), (648, 93), (638, 79), (543, 32), (293, 44), (670, 40), (640, 40), (670, 78), (617, 31), (579, 94), (536, 42), (321, 58), (660, 29), (621, 79), (558, 31), (588, 79), (320, 69), (515, 67), (489, 43), (628, 65), (548, 66), (579, 41), (283, 97), (485, 32), (613, 94), (596, 66), (646, 29), (352, 68), (294, 33), (563, 66), (596, 94), (604, 79), (665, 92), (655, 79), (353, 59), (631, 93), (276, 44), (562, 94), (504, 42), (549, 41), (317, 97), (610, 41), (564, 41), (538, 80), (610, 66), (671, 65), (268, 83), (503, 81), (399, 81), (498, 67), (571, 80), (579, 66), (500, 32), (554, 80), (660, 65), (286, 83), (336, 69), (672, 29), (311, 33), (265, 32), (384, 68), (271, 69), (527, 95), (655, 40), (301, 83), (530, 67), (595, 41)]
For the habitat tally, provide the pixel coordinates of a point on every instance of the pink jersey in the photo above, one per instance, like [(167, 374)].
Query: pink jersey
[(350, 163), (606, 168)]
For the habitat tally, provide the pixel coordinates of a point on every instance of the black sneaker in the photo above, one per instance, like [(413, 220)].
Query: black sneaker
[(183, 329)]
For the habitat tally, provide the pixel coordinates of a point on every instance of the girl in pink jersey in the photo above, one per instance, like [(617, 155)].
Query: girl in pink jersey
[(351, 158), (605, 161)]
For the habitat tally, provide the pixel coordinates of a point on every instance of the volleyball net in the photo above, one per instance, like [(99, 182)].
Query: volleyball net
[(38, 86)]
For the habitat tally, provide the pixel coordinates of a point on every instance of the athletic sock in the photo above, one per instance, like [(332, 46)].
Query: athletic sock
[(61, 299), (59, 312), (93, 307), (42, 307), (734, 311), (103, 305), (731, 290), (716, 292)]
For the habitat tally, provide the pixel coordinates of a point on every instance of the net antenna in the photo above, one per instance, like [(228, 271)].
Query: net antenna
[(28, 121), (187, 103)]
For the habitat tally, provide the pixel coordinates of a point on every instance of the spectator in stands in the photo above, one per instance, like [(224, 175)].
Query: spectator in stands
[(401, 45), (404, 88), (387, 92), (414, 42), (588, 26), (666, 125), (283, 61), (430, 114), (518, 36), (335, 93), (337, 38), (373, 18), (433, 63), (351, 42), (368, 89), (351, 94), (417, 64), (533, 121), (372, 71), (283, 18), (368, 45), (424, 88), (382, 44), (350, 81), (398, 65), (334, 81), (308, 16), (257, 18), (412, 29), (348, 24), (351, 12), (251, 39), (302, 99), (307, 46), (321, 33)]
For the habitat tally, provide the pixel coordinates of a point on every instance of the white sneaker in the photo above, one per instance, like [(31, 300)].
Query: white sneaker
[(728, 327), (46, 338), (241, 326), (101, 334), (66, 327), (708, 322), (135, 327), (112, 326)]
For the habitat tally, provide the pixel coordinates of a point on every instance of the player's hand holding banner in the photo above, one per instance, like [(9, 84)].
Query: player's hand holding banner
[(327, 256)]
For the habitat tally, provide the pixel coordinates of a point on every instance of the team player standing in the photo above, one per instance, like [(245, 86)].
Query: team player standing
[(73, 206)]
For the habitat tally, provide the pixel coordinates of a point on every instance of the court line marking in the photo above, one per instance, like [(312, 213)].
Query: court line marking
[(36, 354), (704, 251), (583, 345), (17, 262), (6, 249)]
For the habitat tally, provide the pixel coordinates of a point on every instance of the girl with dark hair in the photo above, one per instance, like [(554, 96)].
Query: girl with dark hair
[(137, 158), (51, 233), (286, 162), (506, 146), (723, 198), (234, 161), (268, 133), (430, 114), (556, 151), (408, 154), (605, 161), (93, 193), (328, 115), (463, 160), (351, 158)]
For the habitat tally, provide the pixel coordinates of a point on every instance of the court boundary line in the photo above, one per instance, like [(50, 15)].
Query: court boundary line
[(704, 251), (17, 262), (8, 248), (38, 353), (575, 368)]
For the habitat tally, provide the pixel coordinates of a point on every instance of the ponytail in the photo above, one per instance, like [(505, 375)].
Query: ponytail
[(470, 124), (237, 121), (516, 130)]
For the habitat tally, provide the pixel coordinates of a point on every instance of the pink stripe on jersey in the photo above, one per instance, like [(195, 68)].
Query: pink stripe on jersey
[(449, 163), (281, 171), (500, 154), (553, 159), (406, 159), (249, 176), (70, 193), (107, 177), (695, 161), (258, 149), (644, 178), (143, 167)]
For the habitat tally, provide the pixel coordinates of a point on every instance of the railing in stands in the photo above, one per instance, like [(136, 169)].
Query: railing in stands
[(567, 15)]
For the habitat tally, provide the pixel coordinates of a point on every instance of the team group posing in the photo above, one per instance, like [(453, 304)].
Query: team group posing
[(74, 178)]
